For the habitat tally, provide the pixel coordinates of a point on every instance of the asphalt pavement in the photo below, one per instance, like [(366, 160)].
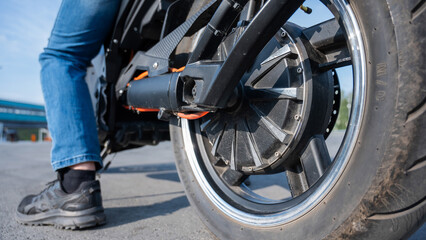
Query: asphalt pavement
[(142, 195)]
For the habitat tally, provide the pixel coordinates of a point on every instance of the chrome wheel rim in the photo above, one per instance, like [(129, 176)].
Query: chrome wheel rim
[(356, 47)]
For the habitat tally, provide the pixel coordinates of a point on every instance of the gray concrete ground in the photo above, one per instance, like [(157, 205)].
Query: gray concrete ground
[(143, 198)]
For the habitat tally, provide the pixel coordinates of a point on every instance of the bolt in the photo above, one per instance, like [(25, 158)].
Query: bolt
[(194, 91), (237, 6), (135, 29), (283, 34), (250, 168), (115, 41), (121, 91), (297, 117), (155, 65), (299, 70), (277, 154)]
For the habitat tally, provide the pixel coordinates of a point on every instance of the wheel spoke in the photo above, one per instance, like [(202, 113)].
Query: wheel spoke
[(272, 64), (233, 164), (276, 131), (336, 59), (315, 159), (205, 124), (264, 69), (296, 180), (325, 36), (217, 141), (328, 38), (233, 178), (252, 145), (286, 51), (265, 94)]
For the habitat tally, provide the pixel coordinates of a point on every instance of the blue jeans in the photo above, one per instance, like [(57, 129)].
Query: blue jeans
[(80, 28)]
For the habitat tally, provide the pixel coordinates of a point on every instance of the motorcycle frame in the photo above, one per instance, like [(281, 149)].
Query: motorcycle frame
[(216, 80)]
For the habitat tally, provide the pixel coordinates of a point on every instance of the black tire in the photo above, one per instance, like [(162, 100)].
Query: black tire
[(381, 192)]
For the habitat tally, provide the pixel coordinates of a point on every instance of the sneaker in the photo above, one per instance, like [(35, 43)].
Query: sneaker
[(77, 210)]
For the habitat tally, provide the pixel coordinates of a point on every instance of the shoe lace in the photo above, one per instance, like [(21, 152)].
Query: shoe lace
[(48, 186), (51, 183)]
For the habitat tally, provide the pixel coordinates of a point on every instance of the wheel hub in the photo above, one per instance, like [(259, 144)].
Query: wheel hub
[(267, 121)]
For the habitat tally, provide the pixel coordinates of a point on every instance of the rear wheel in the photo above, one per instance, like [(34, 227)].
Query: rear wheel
[(262, 168)]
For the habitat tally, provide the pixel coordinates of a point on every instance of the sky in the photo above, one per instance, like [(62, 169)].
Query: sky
[(25, 27)]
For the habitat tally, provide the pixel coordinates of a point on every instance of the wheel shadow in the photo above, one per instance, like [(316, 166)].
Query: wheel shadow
[(118, 216), (143, 168), (162, 171), (169, 176)]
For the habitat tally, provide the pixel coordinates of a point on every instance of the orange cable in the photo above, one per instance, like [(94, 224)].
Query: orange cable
[(192, 116), (142, 75)]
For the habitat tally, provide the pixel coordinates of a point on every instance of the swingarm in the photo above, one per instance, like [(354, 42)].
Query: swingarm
[(204, 85)]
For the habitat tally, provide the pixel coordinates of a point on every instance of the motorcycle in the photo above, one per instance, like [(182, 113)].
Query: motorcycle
[(249, 98)]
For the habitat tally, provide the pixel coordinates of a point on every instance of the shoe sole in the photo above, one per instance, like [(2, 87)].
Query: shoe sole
[(62, 219)]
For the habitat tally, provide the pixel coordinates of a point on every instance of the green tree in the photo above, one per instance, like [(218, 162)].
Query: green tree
[(343, 117)]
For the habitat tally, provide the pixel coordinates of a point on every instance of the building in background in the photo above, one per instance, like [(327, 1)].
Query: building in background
[(22, 121)]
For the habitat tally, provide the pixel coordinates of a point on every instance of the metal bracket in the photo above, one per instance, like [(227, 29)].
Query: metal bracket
[(156, 59)]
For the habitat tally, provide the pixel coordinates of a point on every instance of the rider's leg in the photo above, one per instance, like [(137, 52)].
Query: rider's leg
[(79, 31)]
